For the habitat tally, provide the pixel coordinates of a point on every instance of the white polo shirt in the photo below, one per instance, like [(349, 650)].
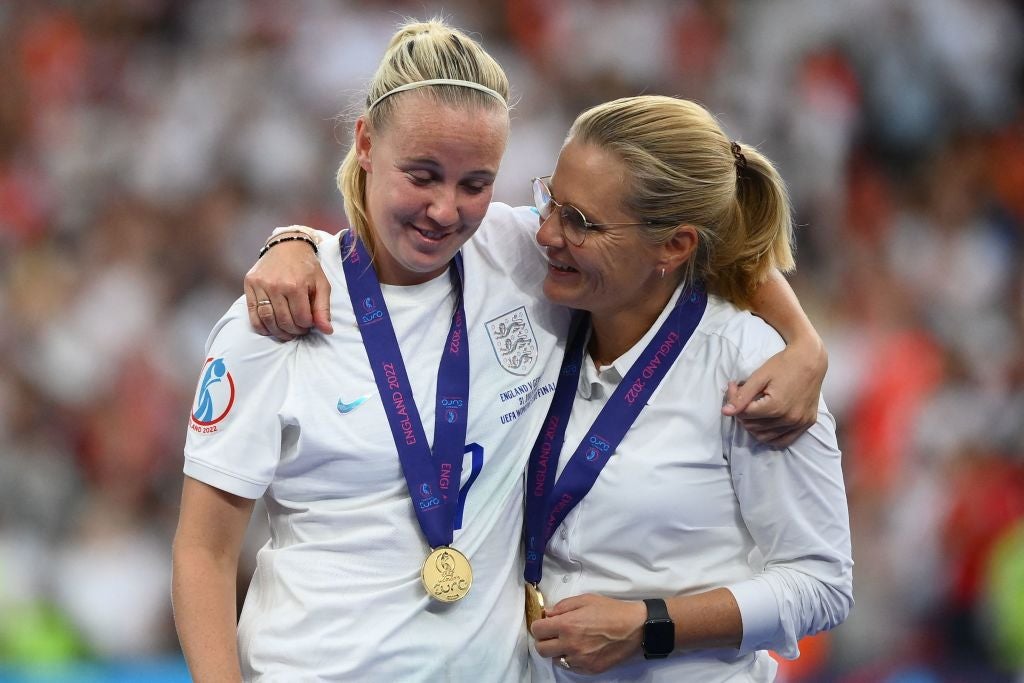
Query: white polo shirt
[(337, 593), (690, 502)]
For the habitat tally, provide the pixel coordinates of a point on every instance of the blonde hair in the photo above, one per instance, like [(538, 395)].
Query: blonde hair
[(684, 170), (419, 51)]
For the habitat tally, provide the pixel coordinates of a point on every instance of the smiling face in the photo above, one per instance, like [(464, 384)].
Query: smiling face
[(617, 268), (429, 179)]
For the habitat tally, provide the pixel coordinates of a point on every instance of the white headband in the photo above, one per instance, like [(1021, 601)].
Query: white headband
[(439, 81)]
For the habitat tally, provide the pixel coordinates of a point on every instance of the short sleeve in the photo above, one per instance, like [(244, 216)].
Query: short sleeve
[(234, 431)]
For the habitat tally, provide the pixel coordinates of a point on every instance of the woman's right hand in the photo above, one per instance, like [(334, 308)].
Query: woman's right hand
[(290, 278), (779, 402)]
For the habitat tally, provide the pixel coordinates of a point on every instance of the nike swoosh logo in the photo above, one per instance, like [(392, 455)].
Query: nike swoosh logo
[(345, 408)]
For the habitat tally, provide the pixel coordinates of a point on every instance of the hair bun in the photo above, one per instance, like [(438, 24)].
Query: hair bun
[(414, 29)]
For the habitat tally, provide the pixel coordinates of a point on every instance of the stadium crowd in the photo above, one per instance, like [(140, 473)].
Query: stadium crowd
[(147, 147)]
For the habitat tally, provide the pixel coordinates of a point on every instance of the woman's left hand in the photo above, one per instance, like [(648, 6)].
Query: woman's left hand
[(779, 402), (593, 633)]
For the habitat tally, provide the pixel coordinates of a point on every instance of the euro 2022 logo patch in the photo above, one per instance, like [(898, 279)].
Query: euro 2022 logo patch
[(451, 406), (597, 446), (513, 340), (214, 397), (372, 314), (427, 498)]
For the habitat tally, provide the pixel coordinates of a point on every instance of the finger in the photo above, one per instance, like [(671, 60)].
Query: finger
[(551, 647), (300, 313), (579, 664), (544, 629), (762, 407), (283, 305), (267, 313), (762, 424), (784, 421), (322, 305), (731, 399), (566, 605), (763, 429), (739, 397), (251, 297)]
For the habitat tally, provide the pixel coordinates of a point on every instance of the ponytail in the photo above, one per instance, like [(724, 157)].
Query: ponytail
[(757, 232), (684, 170)]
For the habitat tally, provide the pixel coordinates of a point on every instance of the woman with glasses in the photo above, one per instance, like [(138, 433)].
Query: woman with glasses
[(662, 541), (668, 543), (575, 225)]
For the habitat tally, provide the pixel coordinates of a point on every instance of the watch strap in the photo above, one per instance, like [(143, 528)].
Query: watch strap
[(659, 630), (657, 609)]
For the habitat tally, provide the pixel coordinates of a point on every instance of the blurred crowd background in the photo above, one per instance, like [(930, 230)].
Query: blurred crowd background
[(147, 147)]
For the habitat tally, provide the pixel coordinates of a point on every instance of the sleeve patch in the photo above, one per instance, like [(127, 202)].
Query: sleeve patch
[(215, 396)]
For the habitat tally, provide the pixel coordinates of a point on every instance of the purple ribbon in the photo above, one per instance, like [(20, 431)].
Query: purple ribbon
[(433, 476), (549, 502)]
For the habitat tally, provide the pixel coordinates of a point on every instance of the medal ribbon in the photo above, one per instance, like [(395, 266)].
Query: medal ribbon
[(549, 502), (433, 478)]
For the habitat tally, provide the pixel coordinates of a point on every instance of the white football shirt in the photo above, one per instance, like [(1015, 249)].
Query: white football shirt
[(336, 594)]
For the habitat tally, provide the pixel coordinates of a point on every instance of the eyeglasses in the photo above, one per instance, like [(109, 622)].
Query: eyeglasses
[(575, 226)]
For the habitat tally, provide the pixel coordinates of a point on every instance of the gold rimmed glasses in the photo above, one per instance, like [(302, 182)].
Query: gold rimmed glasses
[(575, 226)]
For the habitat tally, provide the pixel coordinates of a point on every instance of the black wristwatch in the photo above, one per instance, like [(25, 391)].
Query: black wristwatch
[(659, 630)]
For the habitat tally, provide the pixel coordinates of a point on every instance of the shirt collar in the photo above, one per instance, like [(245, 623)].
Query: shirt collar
[(599, 383)]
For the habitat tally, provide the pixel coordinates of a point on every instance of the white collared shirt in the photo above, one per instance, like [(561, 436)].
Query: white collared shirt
[(690, 501)]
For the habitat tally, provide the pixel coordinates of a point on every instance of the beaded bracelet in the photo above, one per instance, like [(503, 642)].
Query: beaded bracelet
[(290, 238)]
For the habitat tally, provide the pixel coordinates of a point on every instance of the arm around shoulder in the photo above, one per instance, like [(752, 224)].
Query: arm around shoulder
[(778, 401), (286, 291)]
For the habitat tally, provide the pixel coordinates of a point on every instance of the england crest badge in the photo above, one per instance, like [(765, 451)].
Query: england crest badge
[(513, 340)]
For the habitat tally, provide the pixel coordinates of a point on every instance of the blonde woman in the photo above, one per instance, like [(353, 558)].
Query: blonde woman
[(644, 526), (391, 469), (394, 502), (662, 541)]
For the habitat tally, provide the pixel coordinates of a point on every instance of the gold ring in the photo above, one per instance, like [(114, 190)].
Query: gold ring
[(564, 662), (263, 302)]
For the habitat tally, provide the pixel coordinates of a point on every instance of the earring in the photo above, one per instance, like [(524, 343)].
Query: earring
[(662, 273)]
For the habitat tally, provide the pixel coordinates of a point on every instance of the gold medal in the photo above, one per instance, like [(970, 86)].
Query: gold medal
[(447, 574), (534, 605)]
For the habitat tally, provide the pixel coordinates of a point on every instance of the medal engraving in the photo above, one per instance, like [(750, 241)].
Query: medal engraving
[(534, 605), (447, 574)]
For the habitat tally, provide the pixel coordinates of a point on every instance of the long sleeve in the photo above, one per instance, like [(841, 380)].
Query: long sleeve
[(793, 503)]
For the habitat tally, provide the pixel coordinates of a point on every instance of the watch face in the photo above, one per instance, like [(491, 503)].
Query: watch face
[(659, 637)]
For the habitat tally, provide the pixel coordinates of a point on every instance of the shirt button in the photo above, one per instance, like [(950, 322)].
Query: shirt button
[(565, 579)]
